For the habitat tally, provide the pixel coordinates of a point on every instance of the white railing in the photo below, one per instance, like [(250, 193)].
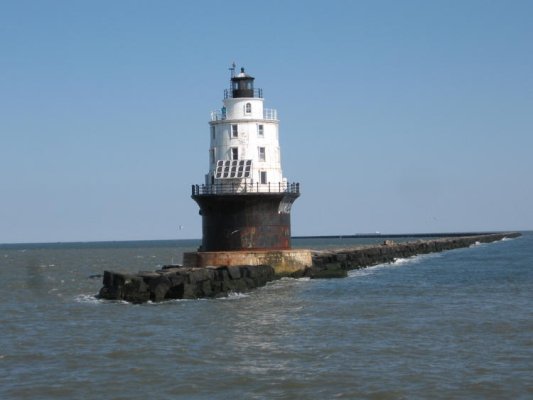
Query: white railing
[(269, 114), (218, 116)]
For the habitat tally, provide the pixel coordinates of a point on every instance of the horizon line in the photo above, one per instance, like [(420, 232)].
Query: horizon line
[(334, 236)]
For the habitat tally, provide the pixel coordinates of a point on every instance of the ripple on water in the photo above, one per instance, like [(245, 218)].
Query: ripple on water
[(445, 325)]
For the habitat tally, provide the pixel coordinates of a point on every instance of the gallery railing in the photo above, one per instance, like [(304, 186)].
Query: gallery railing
[(269, 114), (246, 188)]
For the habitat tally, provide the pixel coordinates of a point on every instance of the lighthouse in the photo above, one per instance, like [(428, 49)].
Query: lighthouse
[(245, 201)]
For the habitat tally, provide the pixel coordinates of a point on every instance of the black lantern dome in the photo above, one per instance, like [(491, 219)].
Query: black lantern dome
[(242, 85)]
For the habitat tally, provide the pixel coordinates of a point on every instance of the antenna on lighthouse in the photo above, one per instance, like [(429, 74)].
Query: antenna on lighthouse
[(232, 69)]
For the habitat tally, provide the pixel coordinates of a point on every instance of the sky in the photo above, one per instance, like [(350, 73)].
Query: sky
[(395, 116)]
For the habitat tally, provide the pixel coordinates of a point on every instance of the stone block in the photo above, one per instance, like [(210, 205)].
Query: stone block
[(175, 291), (136, 290), (198, 275), (189, 291), (177, 278), (234, 272)]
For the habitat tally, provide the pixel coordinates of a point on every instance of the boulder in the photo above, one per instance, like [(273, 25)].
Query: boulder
[(183, 283)]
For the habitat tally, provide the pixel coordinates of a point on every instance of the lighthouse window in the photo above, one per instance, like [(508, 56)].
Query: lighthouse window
[(234, 131), (263, 177), (213, 132), (212, 155), (248, 108), (260, 130), (234, 153), (262, 156)]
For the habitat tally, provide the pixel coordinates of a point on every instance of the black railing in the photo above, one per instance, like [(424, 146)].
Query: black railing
[(246, 188)]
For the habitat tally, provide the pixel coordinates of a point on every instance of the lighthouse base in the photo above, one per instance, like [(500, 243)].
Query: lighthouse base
[(285, 262), (245, 221)]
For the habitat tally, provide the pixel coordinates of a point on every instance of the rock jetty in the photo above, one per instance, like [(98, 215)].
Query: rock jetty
[(337, 263), (177, 282)]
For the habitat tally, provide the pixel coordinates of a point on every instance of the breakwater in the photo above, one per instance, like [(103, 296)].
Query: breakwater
[(337, 263), (178, 282)]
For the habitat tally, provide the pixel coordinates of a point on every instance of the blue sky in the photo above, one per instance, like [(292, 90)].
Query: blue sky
[(395, 116)]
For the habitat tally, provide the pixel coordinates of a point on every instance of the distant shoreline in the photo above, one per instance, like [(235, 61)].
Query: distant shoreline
[(156, 242), (396, 235)]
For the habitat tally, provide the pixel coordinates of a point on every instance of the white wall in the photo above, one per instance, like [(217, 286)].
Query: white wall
[(248, 140)]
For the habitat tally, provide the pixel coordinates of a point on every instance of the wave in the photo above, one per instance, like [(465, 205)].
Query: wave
[(398, 262), (288, 278), (93, 299), (370, 270), (235, 296), (229, 296), (88, 299), (506, 239), (55, 292), (163, 302)]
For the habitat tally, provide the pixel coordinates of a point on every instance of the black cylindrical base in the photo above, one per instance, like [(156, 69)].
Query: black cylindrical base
[(256, 221)]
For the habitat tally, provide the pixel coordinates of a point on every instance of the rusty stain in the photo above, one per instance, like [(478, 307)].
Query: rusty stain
[(245, 221)]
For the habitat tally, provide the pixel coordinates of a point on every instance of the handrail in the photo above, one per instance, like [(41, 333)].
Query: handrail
[(269, 114), (246, 188)]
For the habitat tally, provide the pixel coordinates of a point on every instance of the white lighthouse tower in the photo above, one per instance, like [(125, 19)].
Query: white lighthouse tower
[(245, 201), (244, 153)]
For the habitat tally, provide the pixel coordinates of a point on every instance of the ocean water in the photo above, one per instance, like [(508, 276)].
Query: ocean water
[(452, 325)]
